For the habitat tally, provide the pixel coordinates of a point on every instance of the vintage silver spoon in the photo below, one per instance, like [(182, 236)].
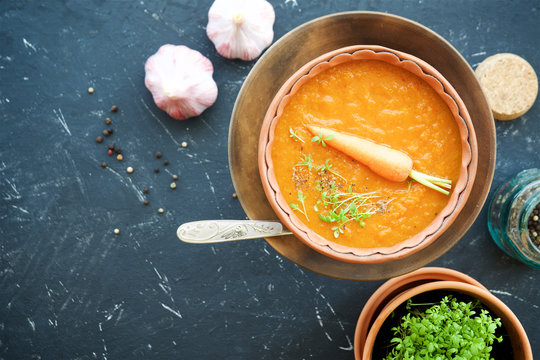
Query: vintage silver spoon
[(215, 231)]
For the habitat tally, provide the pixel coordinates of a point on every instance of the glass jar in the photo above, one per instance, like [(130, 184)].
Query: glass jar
[(508, 216)]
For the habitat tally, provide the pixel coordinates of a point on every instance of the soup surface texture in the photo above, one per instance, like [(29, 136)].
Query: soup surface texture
[(341, 199)]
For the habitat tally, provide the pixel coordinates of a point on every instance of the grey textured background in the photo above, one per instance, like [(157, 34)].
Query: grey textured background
[(70, 289)]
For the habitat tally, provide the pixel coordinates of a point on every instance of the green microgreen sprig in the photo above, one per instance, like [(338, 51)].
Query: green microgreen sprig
[(306, 161), (335, 206), (320, 140), (449, 330), (345, 207), (294, 135), (327, 167), (300, 198), (409, 182)]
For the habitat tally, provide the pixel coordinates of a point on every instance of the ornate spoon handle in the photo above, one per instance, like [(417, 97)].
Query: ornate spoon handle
[(214, 231)]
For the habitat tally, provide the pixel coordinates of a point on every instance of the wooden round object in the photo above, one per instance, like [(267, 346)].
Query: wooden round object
[(509, 83), (318, 37), (461, 188)]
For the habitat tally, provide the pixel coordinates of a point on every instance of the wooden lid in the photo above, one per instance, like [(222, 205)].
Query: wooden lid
[(509, 83)]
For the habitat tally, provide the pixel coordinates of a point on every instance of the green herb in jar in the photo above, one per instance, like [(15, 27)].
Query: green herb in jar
[(451, 329)]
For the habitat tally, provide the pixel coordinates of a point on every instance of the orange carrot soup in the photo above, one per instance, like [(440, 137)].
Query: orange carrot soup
[(342, 199)]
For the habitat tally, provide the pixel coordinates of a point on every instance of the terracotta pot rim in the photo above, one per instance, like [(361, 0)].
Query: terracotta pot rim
[(391, 288), (509, 319), (462, 188)]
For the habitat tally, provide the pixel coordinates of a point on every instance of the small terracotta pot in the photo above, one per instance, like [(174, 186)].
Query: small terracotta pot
[(516, 334), (392, 288), (457, 199)]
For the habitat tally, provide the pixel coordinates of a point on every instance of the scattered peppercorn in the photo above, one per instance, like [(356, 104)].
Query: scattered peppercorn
[(99, 139), (119, 157), (158, 155), (166, 162), (175, 177), (160, 211), (110, 146), (173, 185), (156, 170), (108, 121), (145, 190), (234, 195), (145, 202), (116, 231), (114, 108), (90, 90), (117, 150), (129, 170), (534, 225), (110, 152), (184, 144), (106, 132), (103, 164)]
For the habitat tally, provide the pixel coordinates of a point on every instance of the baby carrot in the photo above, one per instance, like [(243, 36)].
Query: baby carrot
[(389, 163)]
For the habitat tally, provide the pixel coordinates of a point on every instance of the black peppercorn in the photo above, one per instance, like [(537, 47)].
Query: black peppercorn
[(533, 225)]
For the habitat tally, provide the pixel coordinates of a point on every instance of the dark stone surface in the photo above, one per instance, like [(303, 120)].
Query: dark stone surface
[(71, 289)]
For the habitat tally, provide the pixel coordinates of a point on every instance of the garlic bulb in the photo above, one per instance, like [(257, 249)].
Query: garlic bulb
[(240, 29), (180, 80)]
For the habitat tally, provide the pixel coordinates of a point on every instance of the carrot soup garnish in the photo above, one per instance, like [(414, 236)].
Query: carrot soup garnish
[(391, 164)]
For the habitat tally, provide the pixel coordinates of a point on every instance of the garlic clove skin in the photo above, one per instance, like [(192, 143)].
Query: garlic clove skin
[(241, 29), (180, 80)]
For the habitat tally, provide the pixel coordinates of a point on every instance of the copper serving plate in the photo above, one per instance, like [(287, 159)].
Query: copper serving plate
[(311, 40)]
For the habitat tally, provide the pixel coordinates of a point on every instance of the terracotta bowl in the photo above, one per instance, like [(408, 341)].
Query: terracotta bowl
[(457, 199), (517, 336), (394, 287)]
